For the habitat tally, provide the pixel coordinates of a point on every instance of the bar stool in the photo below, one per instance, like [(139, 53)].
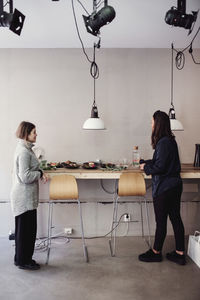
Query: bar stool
[(62, 189), (129, 184)]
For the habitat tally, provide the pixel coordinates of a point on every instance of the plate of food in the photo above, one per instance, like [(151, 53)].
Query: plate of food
[(70, 164), (108, 166), (90, 165)]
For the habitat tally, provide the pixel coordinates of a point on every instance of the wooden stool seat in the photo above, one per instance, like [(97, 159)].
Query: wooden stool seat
[(129, 185), (63, 188)]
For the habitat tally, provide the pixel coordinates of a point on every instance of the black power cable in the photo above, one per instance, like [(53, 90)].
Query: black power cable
[(94, 69), (77, 29), (180, 56)]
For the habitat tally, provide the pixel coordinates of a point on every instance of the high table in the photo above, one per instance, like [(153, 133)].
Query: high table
[(187, 172)]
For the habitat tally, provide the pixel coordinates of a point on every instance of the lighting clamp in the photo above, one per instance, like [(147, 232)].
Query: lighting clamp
[(13, 20)]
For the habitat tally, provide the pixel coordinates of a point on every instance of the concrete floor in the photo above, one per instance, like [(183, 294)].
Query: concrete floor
[(104, 278)]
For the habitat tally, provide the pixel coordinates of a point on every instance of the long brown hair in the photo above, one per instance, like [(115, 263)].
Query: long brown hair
[(24, 130), (161, 127)]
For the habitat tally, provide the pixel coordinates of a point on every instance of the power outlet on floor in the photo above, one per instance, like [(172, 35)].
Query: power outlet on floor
[(127, 218), (68, 231)]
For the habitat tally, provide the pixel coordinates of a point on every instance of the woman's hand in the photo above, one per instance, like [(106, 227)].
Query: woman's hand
[(44, 178), (142, 166)]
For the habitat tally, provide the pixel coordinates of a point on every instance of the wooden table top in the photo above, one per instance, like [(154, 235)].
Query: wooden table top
[(187, 172)]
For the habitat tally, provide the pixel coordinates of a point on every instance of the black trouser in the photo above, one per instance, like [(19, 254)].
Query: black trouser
[(168, 204), (25, 235)]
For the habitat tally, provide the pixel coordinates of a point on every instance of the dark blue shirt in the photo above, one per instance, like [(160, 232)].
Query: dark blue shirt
[(165, 166)]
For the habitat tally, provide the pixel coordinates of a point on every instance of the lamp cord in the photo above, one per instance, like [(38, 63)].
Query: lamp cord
[(83, 7), (172, 74), (77, 29), (180, 56), (94, 69)]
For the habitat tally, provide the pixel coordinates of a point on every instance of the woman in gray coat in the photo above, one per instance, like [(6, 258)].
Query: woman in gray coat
[(25, 196)]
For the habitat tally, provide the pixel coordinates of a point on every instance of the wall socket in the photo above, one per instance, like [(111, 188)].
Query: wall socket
[(68, 231), (127, 218)]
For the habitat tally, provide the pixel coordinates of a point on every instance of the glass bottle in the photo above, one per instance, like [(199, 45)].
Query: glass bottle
[(136, 157)]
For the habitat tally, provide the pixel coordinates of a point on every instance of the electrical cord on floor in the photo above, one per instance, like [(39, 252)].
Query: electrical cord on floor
[(41, 246), (127, 229), (41, 242)]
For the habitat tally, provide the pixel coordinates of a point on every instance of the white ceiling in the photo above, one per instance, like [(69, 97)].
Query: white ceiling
[(138, 24)]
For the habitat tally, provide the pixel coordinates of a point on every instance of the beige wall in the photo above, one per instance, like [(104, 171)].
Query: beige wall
[(53, 89)]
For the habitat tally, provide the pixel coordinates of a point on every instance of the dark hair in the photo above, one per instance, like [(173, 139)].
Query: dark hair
[(161, 127), (24, 130)]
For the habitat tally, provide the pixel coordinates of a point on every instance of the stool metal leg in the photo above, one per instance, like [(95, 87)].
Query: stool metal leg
[(142, 223), (147, 218), (49, 230), (85, 251), (112, 241)]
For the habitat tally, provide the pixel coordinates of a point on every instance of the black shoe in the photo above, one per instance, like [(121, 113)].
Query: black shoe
[(150, 256), (177, 258), (31, 266), (33, 262)]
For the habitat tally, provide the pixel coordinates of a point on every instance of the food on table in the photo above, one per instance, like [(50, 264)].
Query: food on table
[(70, 164), (90, 165), (107, 165)]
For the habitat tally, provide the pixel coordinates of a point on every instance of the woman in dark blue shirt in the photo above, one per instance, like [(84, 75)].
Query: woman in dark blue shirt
[(166, 189)]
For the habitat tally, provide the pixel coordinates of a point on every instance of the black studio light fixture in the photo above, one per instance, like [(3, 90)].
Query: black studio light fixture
[(97, 19), (177, 16), (13, 20)]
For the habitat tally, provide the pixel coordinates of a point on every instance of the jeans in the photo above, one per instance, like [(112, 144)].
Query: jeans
[(168, 204)]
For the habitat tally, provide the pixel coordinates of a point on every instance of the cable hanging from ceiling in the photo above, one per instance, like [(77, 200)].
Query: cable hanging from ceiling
[(93, 23), (180, 55), (94, 69)]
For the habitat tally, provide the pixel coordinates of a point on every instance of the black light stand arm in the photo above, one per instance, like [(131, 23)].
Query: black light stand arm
[(1, 7), (182, 6), (10, 2), (94, 6), (11, 6)]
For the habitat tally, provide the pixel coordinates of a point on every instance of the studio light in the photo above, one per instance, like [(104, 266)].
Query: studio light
[(14, 21), (177, 16), (174, 123), (98, 19)]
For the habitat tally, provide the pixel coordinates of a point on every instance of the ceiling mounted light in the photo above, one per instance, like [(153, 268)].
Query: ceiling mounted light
[(14, 21), (94, 122), (174, 123), (98, 19), (177, 16)]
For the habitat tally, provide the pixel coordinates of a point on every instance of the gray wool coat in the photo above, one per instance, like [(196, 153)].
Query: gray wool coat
[(25, 188)]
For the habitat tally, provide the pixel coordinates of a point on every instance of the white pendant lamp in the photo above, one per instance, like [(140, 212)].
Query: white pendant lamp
[(174, 123), (94, 122)]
